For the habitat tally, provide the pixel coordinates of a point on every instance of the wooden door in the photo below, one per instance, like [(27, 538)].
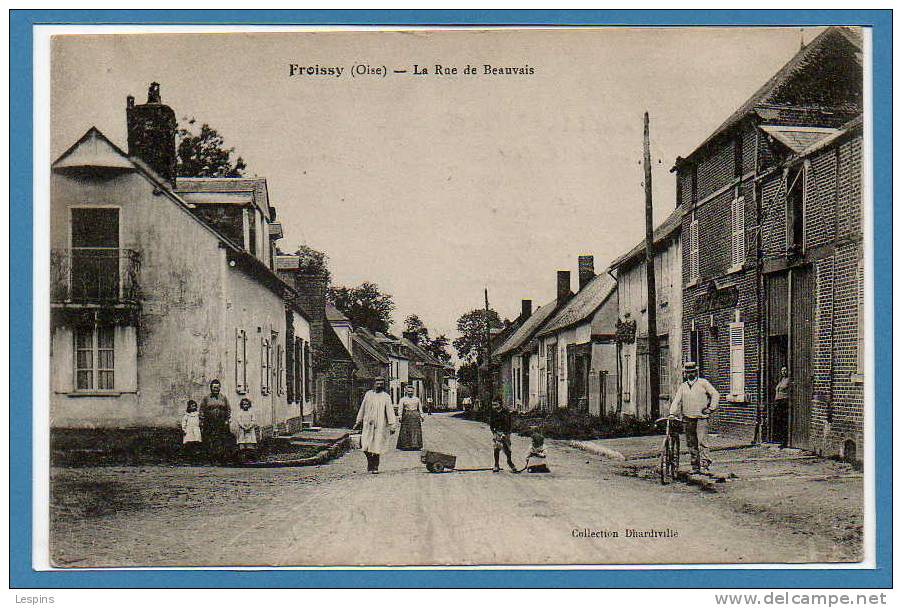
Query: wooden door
[(800, 352)]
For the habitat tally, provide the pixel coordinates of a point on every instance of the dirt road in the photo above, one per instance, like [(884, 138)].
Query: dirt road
[(336, 514)]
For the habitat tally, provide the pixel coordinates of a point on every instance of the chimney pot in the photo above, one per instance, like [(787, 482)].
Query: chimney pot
[(563, 285), (130, 102), (586, 270), (525, 309)]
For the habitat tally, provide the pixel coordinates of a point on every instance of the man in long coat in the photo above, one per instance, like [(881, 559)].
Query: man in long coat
[(377, 420)]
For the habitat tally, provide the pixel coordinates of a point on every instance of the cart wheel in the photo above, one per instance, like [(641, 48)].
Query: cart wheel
[(430, 467), (438, 468)]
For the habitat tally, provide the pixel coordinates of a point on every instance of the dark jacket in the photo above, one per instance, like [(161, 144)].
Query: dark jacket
[(501, 421)]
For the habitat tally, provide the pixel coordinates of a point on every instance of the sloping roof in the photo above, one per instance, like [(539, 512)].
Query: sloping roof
[(334, 347), (529, 327), (797, 139), (207, 189), (94, 150), (662, 233), (368, 346), (768, 90), (420, 353), (335, 315), (581, 306)]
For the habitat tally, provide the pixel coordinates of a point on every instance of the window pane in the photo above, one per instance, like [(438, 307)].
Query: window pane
[(84, 338), (95, 227), (84, 380), (105, 359), (105, 380), (84, 359)]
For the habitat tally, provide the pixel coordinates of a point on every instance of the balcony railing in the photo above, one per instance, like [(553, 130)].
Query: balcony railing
[(94, 275)]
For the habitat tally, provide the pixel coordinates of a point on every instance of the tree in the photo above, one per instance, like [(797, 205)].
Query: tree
[(438, 348), (203, 153), (313, 261), (365, 305), (471, 326), (415, 330)]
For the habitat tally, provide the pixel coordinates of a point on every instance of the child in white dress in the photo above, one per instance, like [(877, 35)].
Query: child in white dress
[(191, 441), (247, 429)]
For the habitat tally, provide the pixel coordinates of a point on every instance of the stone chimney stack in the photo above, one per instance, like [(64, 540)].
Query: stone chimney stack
[(563, 286), (586, 270), (151, 133), (311, 289), (525, 309)]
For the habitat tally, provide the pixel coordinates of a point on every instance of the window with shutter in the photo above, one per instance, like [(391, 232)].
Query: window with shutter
[(240, 361), (693, 252), (737, 361), (280, 370), (737, 257)]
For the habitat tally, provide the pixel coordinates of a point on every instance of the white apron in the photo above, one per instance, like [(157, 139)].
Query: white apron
[(377, 417)]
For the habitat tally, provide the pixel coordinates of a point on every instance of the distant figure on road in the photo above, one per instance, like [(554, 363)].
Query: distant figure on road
[(377, 419), (410, 437), (215, 414), (781, 407), (501, 422), (695, 400), (429, 405)]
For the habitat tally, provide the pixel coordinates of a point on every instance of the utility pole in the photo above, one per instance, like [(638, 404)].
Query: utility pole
[(654, 375), (489, 388)]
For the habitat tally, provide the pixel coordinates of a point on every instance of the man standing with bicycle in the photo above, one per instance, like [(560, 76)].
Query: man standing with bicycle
[(695, 400)]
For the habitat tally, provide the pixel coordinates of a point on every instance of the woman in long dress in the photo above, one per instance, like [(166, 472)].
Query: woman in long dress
[(377, 419), (410, 437)]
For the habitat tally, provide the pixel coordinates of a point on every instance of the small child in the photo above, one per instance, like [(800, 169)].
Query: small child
[(191, 429), (535, 461), (247, 429)]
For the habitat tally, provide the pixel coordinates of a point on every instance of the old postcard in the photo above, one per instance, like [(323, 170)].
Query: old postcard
[(458, 297)]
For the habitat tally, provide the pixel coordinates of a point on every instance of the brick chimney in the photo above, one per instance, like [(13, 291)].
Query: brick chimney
[(563, 286), (586, 270), (151, 133), (311, 290), (525, 309)]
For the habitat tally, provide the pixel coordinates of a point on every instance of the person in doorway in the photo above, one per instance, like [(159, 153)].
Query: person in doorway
[(694, 401), (781, 407), (215, 414), (247, 430), (410, 437), (376, 418), (501, 423)]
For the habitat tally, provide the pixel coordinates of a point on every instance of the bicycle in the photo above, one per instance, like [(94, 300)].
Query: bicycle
[(669, 463)]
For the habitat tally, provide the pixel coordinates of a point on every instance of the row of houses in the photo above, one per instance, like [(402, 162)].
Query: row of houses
[(160, 284), (759, 266)]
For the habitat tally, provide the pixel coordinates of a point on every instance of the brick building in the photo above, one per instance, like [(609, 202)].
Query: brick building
[(719, 187), (813, 267)]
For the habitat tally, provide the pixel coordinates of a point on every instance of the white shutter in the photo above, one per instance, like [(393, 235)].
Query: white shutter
[(264, 366), (737, 361), (693, 251), (738, 232)]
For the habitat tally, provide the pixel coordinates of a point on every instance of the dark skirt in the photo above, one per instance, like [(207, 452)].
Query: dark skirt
[(410, 437)]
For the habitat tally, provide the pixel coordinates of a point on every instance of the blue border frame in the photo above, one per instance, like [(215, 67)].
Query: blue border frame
[(21, 217)]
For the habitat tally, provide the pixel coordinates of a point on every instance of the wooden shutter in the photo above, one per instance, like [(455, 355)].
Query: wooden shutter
[(280, 369), (693, 251), (240, 361), (264, 366), (738, 232), (737, 361)]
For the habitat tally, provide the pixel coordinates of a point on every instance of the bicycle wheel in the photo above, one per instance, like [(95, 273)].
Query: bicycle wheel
[(675, 460)]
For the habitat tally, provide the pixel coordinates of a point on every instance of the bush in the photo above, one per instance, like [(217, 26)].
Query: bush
[(567, 424)]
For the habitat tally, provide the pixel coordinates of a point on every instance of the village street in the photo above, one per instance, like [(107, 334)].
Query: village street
[(337, 514)]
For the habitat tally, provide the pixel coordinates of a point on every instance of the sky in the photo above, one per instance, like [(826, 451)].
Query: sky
[(437, 186)]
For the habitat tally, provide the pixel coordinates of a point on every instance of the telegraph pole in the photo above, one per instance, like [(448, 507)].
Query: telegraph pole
[(489, 388), (654, 375)]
